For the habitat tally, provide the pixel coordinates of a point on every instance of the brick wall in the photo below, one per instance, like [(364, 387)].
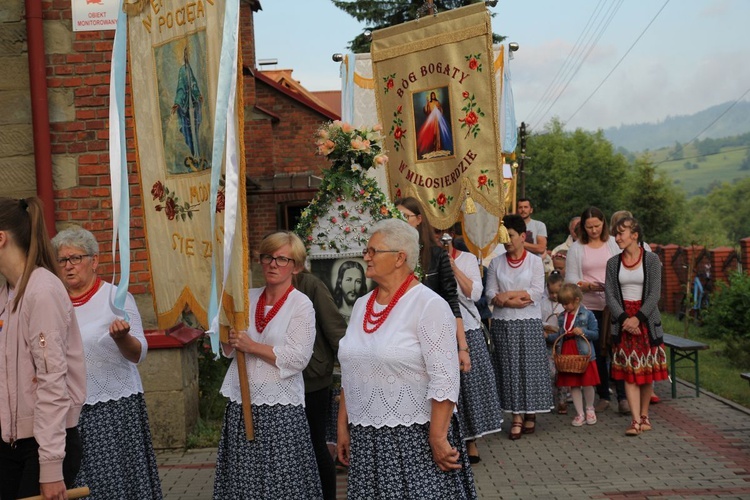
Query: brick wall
[(718, 262)]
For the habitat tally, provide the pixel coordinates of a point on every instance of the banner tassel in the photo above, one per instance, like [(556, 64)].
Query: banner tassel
[(470, 207), (502, 234)]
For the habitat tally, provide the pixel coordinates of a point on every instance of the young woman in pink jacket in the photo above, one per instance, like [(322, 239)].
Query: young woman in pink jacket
[(43, 382)]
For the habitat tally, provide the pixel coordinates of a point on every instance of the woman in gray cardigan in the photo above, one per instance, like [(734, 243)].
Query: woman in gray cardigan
[(632, 290)]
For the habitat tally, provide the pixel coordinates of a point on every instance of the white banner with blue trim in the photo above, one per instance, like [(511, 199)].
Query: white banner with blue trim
[(188, 132)]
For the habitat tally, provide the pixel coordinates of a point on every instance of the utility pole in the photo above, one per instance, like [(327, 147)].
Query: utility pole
[(521, 173)]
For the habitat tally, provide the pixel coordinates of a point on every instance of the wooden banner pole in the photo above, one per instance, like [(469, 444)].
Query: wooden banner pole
[(247, 412)]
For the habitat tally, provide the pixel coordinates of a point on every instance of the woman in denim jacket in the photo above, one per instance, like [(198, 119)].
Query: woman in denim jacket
[(579, 325)]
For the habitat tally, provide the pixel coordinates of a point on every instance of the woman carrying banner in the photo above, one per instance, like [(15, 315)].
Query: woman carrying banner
[(400, 382), (279, 462), (43, 384), (118, 456)]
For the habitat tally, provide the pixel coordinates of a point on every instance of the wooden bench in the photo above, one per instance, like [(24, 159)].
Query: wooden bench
[(681, 348), (746, 376)]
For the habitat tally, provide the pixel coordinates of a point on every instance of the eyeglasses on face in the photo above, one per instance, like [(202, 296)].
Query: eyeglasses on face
[(73, 259), (408, 216), (369, 251), (281, 261)]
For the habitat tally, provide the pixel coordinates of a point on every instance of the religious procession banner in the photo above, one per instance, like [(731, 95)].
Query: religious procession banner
[(435, 88), (175, 51)]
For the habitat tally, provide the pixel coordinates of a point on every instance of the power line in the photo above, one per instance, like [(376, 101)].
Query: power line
[(618, 62), (573, 50), (712, 123), (604, 24)]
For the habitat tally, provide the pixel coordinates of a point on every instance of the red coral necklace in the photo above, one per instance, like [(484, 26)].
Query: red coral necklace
[(85, 297), (634, 264), (262, 319), (516, 263), (378, 318)]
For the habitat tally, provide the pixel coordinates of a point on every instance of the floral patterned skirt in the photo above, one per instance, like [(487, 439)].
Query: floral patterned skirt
[(634, 359), (278, 463), (396, 463), (118, 457)]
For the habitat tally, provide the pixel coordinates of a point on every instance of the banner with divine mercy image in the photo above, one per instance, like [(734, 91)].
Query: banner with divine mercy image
[(435, 92), (175, 50)]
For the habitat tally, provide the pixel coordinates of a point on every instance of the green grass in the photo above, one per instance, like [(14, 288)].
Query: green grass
[(205, 435), (717, 375), (722, 167)]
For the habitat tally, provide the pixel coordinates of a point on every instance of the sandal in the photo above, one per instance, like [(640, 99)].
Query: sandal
[(529, 418), (471, 446), (562, 408), (515, 435), (634, 429), (645, 423)]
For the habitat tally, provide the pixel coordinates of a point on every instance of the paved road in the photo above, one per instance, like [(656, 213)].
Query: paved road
[(699, 448)]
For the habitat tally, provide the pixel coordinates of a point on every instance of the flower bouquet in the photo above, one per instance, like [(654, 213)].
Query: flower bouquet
[(348, 202)]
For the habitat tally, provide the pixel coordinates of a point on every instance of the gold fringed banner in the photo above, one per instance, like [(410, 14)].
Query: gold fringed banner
[(436, 96), (174, 50)]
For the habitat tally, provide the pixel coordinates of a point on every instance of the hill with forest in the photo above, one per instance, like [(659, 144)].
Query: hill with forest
[(682, 128)]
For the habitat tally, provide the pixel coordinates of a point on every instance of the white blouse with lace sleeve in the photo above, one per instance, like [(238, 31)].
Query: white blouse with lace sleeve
[(391, 376), (529, 276), (292, 334), (109, 376)]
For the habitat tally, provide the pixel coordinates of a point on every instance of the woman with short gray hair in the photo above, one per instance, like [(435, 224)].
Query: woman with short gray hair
[(118, 456), (400, 382)]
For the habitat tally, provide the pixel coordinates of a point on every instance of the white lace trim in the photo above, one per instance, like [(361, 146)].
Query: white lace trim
[(390, 377), (109, 376), (292, 333)]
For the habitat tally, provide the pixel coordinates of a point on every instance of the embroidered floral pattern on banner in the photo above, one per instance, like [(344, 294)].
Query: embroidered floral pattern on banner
[(435, 92), (174, 72)]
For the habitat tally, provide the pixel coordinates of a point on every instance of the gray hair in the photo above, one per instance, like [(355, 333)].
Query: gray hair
[(76, 237), (399, 235)]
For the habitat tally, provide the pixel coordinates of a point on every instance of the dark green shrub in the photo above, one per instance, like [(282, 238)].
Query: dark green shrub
[(728, 318)]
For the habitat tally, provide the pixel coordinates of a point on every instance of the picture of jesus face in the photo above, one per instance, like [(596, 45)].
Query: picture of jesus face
[(351, 285)]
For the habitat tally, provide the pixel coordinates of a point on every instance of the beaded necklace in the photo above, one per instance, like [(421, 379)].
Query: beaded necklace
[(85, 297), (635, 264), (378, 318), (261, 319), (516, 263)]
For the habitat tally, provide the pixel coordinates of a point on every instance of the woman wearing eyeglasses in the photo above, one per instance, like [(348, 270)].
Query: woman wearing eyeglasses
[(400, 382), (118, 456), (279, 462)]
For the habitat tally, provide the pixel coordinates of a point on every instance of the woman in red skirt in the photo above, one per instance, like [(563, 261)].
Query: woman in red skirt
[(580, 328), (633, 289)]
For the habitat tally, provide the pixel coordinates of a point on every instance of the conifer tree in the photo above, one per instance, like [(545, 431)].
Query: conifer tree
[(380, 14)]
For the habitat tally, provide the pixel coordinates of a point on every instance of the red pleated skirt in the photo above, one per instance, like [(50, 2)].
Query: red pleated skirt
[(634, 359)]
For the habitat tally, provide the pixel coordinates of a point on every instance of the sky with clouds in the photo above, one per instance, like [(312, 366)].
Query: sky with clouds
[(695, 54)]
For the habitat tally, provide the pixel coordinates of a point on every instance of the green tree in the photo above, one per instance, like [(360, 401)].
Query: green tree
[(382, 14), (570, 171), (678, 153), (654, 201)]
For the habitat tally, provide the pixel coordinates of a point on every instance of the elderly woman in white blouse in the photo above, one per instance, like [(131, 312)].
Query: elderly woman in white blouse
[(279, 462), (118, 457), (400, 382)]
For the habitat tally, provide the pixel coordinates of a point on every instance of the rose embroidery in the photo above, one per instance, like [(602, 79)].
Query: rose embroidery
[(474, 63), (170, 204), (484, 181), (441, 202), (397, 130), (470, 121), (389, 83)]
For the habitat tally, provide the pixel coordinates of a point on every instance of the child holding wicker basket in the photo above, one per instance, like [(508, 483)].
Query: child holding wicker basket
[(574, 356)]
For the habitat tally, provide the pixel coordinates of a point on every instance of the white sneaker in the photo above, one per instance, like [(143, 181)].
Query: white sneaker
[(590, 416), (578, 421)]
